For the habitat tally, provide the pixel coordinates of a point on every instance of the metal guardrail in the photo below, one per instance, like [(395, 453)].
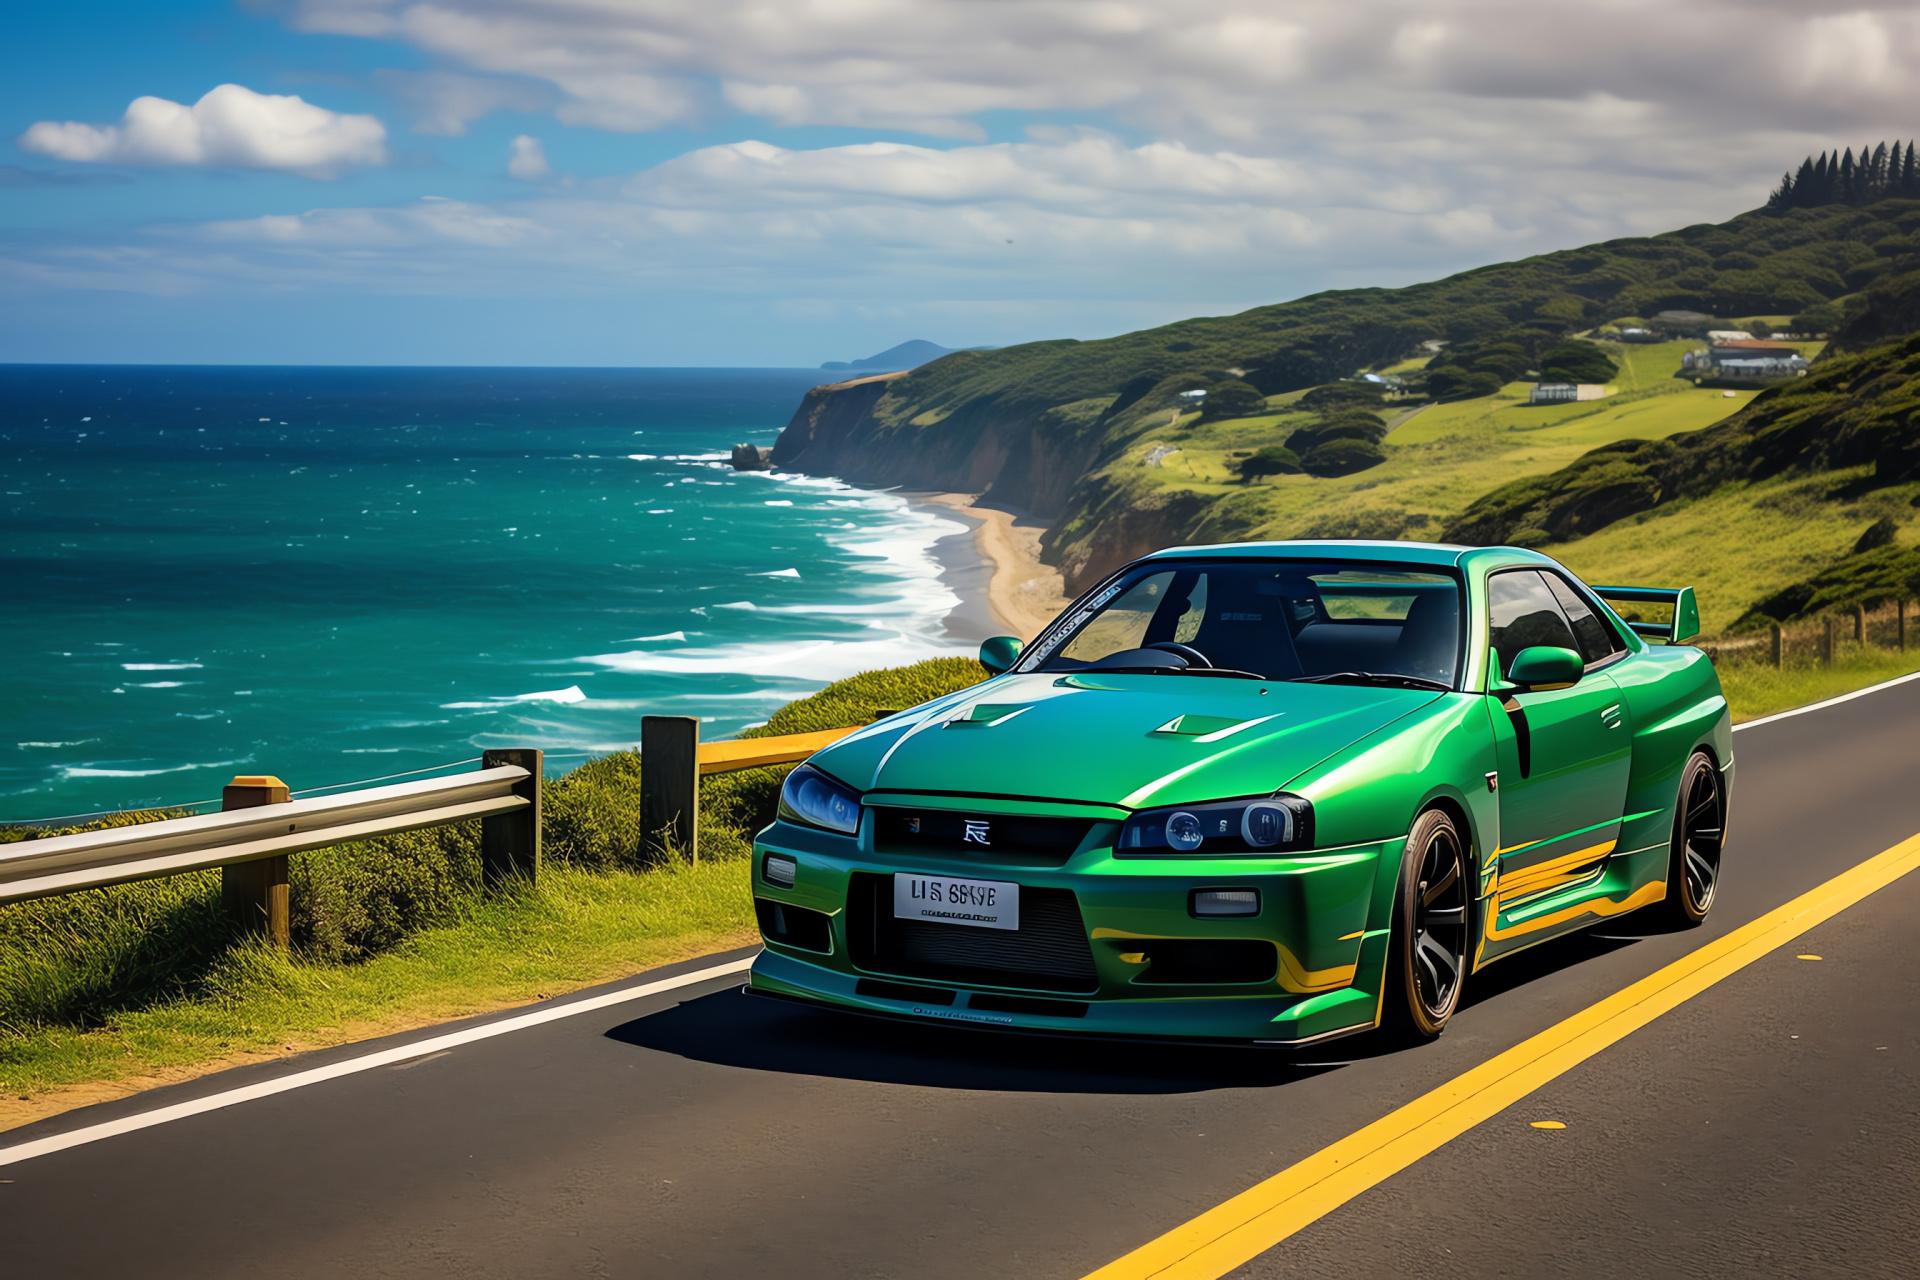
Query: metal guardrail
[(260, 824), (61, 864)]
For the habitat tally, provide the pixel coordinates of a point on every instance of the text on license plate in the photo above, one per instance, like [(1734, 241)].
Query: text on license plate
[(983, 904)]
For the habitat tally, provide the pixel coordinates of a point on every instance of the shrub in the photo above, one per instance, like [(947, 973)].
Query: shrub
[(1344, 395), (1232, 399), (1577, 362), (1451, 382), (1342, 457), (1274, 460)]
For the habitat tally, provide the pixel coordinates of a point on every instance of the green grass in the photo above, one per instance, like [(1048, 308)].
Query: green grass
[(225, 1002), (149, 980), (1438, 461), (1754, 689)]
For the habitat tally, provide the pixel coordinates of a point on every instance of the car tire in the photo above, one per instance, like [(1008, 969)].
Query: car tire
[(1699, 833), (1432, 908)]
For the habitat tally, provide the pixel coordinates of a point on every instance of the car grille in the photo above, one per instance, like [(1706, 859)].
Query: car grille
[(1048, 952), (997, 838)]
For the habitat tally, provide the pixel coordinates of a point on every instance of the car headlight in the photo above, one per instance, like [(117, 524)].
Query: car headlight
[(1268, 824), (813, 799)]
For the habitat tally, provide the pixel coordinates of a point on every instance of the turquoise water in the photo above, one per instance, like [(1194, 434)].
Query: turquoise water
[(340, 574)]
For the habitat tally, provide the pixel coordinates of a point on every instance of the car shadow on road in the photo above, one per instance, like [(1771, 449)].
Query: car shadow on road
[(732, 1029), (1548, 958)]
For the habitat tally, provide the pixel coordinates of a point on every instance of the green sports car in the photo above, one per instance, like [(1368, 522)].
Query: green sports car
[(1265, 792)]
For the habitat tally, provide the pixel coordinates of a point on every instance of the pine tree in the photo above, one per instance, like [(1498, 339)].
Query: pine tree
[(1878, 186), (1822, 182), (1803, 184), (1910, 175)]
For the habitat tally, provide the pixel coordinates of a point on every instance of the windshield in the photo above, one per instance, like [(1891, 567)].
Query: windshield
[(1276, 619)]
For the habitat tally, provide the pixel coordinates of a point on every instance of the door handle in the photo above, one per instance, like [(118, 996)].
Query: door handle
[(1610, 717)]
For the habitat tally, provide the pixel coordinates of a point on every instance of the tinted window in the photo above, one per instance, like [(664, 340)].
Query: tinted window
[(1524, 613), (1597, 640), (1278, 619)]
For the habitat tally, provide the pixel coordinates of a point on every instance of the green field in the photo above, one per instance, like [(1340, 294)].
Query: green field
[(1438, 460)]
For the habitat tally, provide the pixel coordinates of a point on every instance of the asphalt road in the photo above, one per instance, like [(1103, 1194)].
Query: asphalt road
[(1768, 1127)]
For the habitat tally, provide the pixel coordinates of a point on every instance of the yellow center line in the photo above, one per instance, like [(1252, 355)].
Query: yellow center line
[(1254, 1221)]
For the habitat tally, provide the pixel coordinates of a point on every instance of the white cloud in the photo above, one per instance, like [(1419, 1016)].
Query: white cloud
[(1219, 69), (231, 126), (446, 102), (527, 160)]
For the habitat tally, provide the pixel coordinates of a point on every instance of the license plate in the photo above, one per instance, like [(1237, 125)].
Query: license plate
[(980, 904)]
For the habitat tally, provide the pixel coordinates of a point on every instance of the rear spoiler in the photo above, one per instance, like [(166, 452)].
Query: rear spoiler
[(1685, 624)]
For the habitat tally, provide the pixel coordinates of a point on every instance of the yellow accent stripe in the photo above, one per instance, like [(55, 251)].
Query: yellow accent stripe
[(1254, 1221)]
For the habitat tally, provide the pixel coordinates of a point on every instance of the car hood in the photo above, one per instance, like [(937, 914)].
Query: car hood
[(1127, 740)]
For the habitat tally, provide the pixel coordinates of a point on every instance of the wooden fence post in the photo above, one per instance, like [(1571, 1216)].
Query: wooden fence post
[(255, 893), (1859, 624), (669, 787), (1826, 642), (1774, 645), (510, 842)]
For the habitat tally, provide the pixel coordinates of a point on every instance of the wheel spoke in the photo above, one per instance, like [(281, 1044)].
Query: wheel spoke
[(1704, 806), (1699, 875), (1444, 916), (1436, 955), (1446, 882)]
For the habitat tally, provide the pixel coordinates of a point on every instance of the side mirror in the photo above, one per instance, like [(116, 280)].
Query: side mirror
[(1000, 653), (1546, 667)]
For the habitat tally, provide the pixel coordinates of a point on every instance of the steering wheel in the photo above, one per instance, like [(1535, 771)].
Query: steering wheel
[(1193, 656)]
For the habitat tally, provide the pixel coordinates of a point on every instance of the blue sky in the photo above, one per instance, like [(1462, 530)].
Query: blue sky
[(744, 182)]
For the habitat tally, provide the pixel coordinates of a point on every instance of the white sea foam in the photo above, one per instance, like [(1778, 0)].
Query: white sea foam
[(160, 666), (777, 573), (89, 771), (163, 684), (738, 604), (644, 457), (54, 746), (568, 695), (778, 502), (820, 661), (679, 636)]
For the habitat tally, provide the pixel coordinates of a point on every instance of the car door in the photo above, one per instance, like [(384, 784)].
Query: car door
[(1564, 754)]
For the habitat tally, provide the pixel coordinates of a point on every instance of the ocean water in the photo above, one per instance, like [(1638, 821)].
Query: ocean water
[(334, 575)]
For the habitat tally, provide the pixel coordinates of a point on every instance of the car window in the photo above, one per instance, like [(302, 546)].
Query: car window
[(1597, 640), (1122, 624), (1279, 619), (1523, 612)]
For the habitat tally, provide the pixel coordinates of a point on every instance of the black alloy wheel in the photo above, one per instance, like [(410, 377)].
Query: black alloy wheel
[(1428, 962), (1699, 833)]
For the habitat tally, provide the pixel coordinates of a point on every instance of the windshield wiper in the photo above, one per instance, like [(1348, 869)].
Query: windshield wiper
[(1388, 679)]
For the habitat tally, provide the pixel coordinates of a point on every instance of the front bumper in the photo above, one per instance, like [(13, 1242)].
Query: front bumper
[(1319, 913)]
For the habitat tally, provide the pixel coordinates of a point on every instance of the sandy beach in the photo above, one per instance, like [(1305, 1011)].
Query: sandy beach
[(1022, 594)]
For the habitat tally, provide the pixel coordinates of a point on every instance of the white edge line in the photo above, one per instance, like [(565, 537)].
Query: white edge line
[(353, 1066), (1830, 702)]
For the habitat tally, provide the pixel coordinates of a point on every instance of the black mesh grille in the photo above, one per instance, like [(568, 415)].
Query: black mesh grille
[(1048, 952), (983, 837)]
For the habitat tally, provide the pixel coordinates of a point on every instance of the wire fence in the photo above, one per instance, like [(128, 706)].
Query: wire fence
[(1817, 642)]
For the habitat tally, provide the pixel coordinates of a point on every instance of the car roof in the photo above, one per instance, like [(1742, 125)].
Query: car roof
[(1359, 549)]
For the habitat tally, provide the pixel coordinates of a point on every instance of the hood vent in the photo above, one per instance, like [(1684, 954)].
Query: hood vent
[(985, 715), (1209, 728)]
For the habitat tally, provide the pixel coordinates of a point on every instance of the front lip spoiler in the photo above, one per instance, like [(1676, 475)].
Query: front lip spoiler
[(1050, 1033)]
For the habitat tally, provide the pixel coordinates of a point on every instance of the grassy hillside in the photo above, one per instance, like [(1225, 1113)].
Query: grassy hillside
[(1772, 496), (1439, 458), (1064, 428)]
